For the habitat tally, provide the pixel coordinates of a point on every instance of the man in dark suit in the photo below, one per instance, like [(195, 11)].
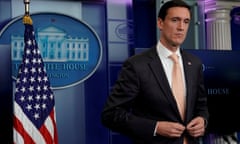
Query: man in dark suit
[(142, 105)]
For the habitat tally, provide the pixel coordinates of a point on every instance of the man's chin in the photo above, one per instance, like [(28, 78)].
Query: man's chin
[(176, 44)]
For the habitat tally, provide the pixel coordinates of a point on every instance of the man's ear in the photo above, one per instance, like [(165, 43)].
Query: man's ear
[(159, 23)]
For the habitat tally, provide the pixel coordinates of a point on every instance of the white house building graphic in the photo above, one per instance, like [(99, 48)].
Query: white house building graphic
[(55, 45), (71, 49)]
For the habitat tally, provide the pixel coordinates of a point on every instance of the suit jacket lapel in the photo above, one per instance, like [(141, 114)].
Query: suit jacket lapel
[(158, 71), (187, 65)]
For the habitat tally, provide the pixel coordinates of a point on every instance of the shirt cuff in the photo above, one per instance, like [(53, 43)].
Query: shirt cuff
[(205, 123), (155, 130)]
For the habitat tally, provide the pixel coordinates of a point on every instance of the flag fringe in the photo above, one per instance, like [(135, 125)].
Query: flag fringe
[(27, 20)]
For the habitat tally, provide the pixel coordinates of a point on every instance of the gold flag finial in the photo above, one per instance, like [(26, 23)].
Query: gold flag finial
[(27, 19)]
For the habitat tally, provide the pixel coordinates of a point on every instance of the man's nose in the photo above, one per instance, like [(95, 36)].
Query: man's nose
[(181, 25)]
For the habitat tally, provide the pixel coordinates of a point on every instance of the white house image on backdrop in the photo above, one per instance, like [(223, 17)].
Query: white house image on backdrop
[(55, 45)]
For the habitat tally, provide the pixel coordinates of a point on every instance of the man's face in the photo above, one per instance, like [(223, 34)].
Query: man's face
[(174, 27)]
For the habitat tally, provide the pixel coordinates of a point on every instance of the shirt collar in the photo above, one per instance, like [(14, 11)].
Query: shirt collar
[(164, 52)]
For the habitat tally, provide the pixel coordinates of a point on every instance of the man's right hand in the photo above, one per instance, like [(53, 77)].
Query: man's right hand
[(169, 129)]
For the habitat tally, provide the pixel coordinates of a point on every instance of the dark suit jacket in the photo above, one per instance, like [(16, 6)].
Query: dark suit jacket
[(142, 96)]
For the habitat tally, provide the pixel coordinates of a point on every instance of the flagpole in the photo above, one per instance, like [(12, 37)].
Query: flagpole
[(27, 19), (26, 3)]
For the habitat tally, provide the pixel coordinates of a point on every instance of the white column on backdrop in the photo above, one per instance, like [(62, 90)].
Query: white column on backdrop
[(218, 26), (219, 30)]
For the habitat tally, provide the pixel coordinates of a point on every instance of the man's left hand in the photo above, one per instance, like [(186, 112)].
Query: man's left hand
[(196, 127)]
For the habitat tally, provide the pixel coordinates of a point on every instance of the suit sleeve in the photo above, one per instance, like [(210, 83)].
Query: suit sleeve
[(117, 113), (202, 108)]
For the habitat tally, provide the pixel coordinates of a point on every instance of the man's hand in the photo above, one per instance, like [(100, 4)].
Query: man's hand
[(170, 129), (196, 127)]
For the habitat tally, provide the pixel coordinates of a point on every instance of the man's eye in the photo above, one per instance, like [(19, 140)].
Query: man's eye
[(186, 21)]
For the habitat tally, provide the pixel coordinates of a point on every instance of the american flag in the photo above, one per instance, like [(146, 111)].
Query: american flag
[(34, 105)]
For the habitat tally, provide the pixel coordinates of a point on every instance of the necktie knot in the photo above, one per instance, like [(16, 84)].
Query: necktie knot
[(174, 58)]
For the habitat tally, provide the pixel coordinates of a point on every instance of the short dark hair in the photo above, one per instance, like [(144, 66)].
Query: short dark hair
[(169, 4)]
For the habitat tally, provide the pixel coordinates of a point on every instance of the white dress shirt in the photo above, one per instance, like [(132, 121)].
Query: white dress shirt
[(167, 63)]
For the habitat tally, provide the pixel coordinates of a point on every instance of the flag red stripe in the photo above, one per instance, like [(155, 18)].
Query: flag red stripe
[(52, 116), (20, 129), (45, 133)]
